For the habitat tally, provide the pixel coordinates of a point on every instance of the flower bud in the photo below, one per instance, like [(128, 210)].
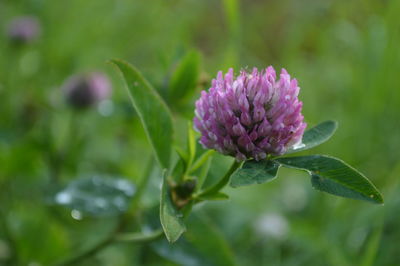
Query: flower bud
[(82, 91), (23, 29), (252, 115)]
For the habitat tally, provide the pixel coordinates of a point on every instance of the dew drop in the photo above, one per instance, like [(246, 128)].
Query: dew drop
[(100, 203), (63, 198), (77, 215), (298, 145), (119, 202)]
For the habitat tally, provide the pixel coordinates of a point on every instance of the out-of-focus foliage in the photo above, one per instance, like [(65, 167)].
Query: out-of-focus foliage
[(343, 53)]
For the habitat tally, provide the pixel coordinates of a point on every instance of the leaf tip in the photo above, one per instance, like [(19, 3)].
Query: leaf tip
[(377, 198), (335, 124), (173, 239)]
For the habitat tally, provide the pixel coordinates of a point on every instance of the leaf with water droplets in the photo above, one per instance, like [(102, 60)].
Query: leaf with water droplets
[(97, 195), (315, 136), (334, 176)]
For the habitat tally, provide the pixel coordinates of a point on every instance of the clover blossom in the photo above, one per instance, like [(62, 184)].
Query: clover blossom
[(24, 29), (82, 91), (252, 115)]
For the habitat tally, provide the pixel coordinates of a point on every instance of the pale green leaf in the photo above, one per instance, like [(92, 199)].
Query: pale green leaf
[(153, 112), (185, 78)]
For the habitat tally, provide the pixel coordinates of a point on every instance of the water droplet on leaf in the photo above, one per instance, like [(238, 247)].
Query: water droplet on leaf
[(77, 215)]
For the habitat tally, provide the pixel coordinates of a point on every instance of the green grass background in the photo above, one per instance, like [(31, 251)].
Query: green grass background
[(345, 55)]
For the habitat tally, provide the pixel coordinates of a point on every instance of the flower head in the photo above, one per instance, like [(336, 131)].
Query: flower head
[(23, 29), (250, 116), (82, 91)]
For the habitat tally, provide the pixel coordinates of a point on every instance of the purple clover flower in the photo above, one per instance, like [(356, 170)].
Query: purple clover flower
[(82, 91), (23, 29), (252, 115)]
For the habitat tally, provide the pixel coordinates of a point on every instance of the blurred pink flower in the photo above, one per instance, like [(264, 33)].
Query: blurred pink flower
[(82, 91), (24, 29)]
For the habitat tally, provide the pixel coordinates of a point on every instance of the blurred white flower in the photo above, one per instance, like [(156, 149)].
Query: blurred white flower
[(294, 197), (273, 225)]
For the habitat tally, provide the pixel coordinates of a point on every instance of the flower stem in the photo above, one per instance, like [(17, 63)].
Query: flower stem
[(138, 237), (113, 237), (88, 253), (221, 183)]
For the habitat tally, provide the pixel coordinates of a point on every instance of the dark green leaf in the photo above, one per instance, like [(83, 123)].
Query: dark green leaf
[(316, 136), (97, 196), (184, 79), (152, 110), (171, 218), (254, 172), (335, 177)]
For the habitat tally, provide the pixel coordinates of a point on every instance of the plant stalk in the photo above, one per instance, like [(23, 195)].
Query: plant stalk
[(221, 183)]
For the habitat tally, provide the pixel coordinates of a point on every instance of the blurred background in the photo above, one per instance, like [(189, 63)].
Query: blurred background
[(345, 55)]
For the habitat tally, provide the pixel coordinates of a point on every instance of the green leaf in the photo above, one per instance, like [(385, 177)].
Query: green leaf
[(97, 195), (171, 218), (316, 136), (153, 112), (184, 80), (334, 176), (203, 158), (254, 172), (202, 173), (182, 154)]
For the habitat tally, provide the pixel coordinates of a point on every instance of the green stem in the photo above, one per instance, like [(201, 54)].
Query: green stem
[(138, 237), (143, 183), (222, 183), (88, 253), (113, 237), (13, 259)]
